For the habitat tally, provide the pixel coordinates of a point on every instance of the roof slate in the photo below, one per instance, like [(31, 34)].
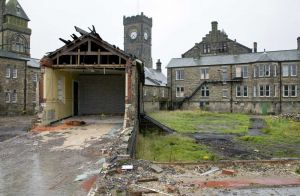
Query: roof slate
[(154, 77), (271, 56), (11, 9), (33, 63), (11, 55)]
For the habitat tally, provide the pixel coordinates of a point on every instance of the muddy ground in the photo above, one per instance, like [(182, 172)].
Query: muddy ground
[(47, 163)]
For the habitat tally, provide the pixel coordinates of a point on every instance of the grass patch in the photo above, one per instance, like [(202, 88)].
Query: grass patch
[(202, 121), (282, 137), (298, 170), (170, 148)]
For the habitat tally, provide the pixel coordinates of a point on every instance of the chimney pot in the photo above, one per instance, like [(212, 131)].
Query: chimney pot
[(255, 47), (298, 43), (158, 65)]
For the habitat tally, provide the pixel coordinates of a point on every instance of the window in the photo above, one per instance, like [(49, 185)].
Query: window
[(154, 92), (290, 90), (264, 70), (261, 91), (34, 98), (145, 92), (204, 91), (245, 71), (245, 91), (293, 70), (241, 91), (34, 77), (60, 89), (224, 93), (293, 91), (224, 73), (7, 97), (238, 91), (267, 90), (275, 90), (14, 97), (7, 72), (275, 70), (179, 91), (180, 74), (18, 44), (289, 70), (14, 73), (163, 93), (206, 48), (238, 71), (254, 91), (254, 72), (204, 73), (18, 9), (285, 70), (285, 90)]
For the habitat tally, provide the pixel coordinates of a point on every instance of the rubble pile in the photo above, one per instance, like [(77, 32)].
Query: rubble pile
[(289, 116)]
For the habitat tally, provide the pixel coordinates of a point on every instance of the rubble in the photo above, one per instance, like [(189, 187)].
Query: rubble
[(156, 168)]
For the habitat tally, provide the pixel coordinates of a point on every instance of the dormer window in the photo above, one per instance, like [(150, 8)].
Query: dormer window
[(18, 9)]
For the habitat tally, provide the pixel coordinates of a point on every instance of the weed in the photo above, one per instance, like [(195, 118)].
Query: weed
[(298, 170)]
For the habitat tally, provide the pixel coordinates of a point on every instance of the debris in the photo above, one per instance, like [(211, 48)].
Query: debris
[(171, 189), (228, 172), (157, 191), (156, 168), (212, 170), (86, 175), (104, 151), (101, 161), (147, 179), (127, 167), (75, 123)]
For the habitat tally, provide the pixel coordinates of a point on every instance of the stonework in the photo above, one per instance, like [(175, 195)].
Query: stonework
[(18, 91), (216, 43), (155, 98)]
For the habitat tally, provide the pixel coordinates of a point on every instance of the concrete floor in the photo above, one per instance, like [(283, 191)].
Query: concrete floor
[(47, 163)]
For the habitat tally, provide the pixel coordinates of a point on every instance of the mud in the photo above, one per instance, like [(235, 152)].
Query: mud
[(256, 126), (29, 165)]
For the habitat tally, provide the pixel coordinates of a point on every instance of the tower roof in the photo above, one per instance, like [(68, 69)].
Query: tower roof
[(14, 8)]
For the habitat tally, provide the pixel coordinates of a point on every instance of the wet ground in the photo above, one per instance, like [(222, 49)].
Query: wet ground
[(47, 163), (227, 147)]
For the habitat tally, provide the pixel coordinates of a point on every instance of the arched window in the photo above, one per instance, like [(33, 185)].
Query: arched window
[(18, 44)]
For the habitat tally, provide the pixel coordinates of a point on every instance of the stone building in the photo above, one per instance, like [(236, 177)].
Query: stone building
[(19, 73), (264, 82), (216, 42), (138, 42)]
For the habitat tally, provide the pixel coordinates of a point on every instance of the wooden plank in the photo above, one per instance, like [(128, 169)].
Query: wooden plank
[(88, 66)]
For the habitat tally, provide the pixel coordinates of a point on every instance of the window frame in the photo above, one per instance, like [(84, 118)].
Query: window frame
[(179, 74), (238, 90), (243, 71), (180, 93), (285, 90), (14, 97), (204, 91), (7, 72), (7, 95), (291, 90), (291, 70), (14, 73), (204, 71)]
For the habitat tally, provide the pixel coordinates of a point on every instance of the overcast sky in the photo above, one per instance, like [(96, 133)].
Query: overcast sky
[(177, 24)]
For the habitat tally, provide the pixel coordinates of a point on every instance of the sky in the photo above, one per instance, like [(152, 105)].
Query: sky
[(177, 24)]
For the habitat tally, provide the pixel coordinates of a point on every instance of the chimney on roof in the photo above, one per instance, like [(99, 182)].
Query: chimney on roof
[(255, 47), (298, 42), (214, 26), (158, 65)]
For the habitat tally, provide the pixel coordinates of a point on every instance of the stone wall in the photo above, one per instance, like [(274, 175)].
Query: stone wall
[(155, 98)]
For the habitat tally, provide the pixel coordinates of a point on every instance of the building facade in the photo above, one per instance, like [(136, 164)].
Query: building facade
[(216, 42), (19, 74), (264, 82)]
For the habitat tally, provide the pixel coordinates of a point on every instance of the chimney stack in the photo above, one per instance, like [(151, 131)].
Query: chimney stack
[(255, 47), (298, 42), (158, 65), (214, 26)]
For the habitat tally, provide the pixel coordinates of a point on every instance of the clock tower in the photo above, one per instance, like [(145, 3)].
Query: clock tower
[(138, 37)]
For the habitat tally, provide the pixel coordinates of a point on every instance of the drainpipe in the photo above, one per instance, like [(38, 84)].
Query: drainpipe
[(171, 89), (25, 88), (231, 91), (280, 87)]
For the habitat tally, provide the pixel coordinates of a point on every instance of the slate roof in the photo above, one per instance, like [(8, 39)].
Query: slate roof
[(154, 77), (35, 63), (11, 55), (271, 56), (11, 9)]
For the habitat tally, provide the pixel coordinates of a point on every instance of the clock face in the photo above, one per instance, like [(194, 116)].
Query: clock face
[(145, 35), (133, 35)]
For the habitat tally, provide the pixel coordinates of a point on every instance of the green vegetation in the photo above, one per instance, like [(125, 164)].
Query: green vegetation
[(170, 148), (298, 170), (282, 137), (202, 121)]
